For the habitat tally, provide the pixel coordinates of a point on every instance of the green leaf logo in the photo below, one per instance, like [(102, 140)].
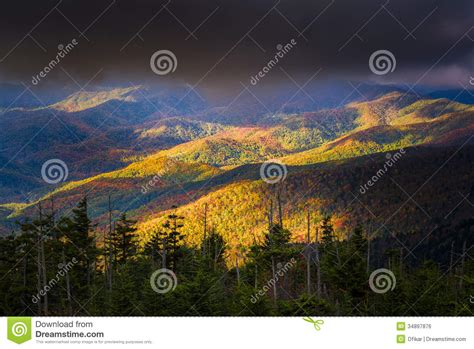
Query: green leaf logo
[(19, 329), (316, 323)]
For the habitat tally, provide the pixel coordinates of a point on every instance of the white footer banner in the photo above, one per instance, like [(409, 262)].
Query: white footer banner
[(239, 332)]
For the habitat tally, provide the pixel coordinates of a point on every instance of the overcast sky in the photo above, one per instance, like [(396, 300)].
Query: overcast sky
[(432, 41)]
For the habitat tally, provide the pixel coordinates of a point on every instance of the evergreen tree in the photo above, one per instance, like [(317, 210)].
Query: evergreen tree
[(123, 241), (215, 248), (174, 238), (81, 246), (327, 231), (156, 247)]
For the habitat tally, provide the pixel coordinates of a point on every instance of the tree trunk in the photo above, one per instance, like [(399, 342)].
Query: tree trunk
[(368, 255), (336, 244), (43, 264), (308, 256), (256, 276), (237, 270), (451, 258), (25, 268), (275, 296), (280, 211), (43, 259), (270, 215), (205, 231), (163, 254), (110, 266), (463, 256), (318, 267), (38, 263), (401, 261), (68, 286)]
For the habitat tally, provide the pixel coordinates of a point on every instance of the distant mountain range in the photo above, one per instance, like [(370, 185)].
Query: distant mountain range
[(150, 149)]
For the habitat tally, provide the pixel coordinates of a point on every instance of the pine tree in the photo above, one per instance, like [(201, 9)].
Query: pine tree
[(327, 231), (173, 238), (351, 275), (215, 248), (156, 247), (123, 241), (82, 247)]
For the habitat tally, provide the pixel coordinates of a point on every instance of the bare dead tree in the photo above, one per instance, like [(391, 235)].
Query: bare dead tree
[(25, 268), (163, 253), (68, 286), (368, 256), (110, 264), (308, 253), (237, 269), (463, 257), (451, 259), (318, 266), (401, 261), (270, 215), (43, 259), (280, 210), (204, 231), (275, 296)]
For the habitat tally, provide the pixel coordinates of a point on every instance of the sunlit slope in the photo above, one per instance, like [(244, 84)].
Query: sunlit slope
[(130, 184), (244, 145), (445, 129), (239, 210), (85, 99)]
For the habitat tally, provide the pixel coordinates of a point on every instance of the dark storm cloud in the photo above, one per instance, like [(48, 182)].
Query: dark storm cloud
[(208, 37)]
